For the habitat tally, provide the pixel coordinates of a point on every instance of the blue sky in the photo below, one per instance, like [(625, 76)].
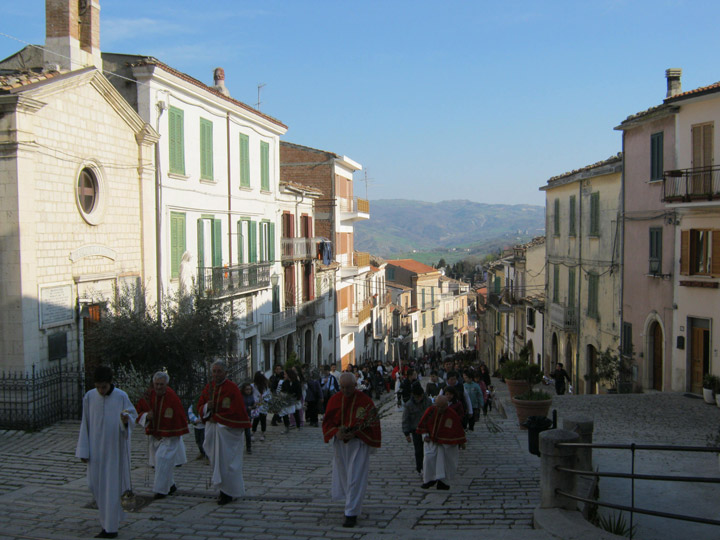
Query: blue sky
[(438, 100)]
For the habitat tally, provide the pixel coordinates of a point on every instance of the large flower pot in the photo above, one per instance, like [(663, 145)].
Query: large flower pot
[(708, 395), (527, 408), (517, 387)]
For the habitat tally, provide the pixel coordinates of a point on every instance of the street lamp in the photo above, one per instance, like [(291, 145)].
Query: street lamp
[(274, 278)]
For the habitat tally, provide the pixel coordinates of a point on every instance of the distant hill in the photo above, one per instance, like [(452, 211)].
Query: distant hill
[(397, 227)]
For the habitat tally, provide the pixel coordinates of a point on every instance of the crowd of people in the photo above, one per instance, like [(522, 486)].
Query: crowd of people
[(440, 399)]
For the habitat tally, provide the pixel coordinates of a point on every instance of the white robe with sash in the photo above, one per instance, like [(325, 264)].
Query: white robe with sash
[(441, 461), (351, 466), (164, 454), (105, 441), (224, 447)]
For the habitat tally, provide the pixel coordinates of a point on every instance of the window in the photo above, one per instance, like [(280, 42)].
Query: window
[(424, 320), (87, 191), (498, 322), (498, 284), (571, 227), (177, 242), (267, 241), (595, 214), (700, 252), (702, 158), (91, 194), (391, 274), (656, 250), (556, 284), (656, 156), (264, 166), (176, 138), (209, 240), (530, 318), (592, 306), (415, 325), (432, 318), (556, 218), (244, 160), (571, 287), (206, 149), (626, 347), (423, 300)]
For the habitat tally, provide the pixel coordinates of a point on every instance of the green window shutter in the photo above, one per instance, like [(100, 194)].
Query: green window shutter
[(252, 244), (177, 242), (201, 242), (595, 214), (592, 309), (206, 149), (262, 240), (271, 241), (656, 156), (244, 160), (423, 299), (264, 166), (556, 283), (571, 287), (571, 231), (217, 242), (556, 218), (655, 250), (240, 241), (176, 135)]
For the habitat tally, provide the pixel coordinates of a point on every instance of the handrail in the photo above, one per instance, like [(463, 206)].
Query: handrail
[(632, 446), (659, 477)]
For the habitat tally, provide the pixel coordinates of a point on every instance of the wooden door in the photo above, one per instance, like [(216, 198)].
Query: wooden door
[(90, 343), (657, 356), (698, 339)]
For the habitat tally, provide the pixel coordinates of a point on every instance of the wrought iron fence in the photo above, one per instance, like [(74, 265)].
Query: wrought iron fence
[(686, 185), (34, 399)]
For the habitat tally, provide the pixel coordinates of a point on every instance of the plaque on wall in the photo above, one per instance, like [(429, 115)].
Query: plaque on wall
[(55, 305)]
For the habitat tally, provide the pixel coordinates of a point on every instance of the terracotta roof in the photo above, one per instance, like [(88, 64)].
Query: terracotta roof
[(300, 187), (609, 161), (150, 61), (374, 268), (696, 92), (397, 286), (19, 79), (302, 147), (413, 266), (642, 114)]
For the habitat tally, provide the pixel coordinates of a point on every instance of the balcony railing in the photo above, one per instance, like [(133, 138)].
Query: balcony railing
[(275, 325), (223, 281), (356, 316), (354, 205), (311, 311), (299, 249), (694, 184), (563, 317), (361, 258)]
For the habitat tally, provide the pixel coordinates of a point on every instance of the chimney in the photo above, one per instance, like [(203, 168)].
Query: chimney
[(673, 82), (219, 77), (72, 34)]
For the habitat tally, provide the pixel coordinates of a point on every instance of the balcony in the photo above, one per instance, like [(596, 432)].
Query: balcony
[(277, 325), (222, 282), (562, 317), (352, 210), (299, 249), (311, 311), (352, 319), (355, 264), (360, 258), (692, 185)]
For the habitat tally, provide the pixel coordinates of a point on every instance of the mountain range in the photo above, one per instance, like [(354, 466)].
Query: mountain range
[(399, 227)]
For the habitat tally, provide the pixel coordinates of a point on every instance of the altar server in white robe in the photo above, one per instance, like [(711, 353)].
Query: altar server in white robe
[(104, 444)]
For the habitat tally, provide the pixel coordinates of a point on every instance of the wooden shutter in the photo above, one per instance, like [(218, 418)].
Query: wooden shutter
[(556, 283), (265, 166), (595, 213), (571, 232), (571, 287), (715, 252), (252, 244), (261, 242), (177, 242), (685, 253), (240, 242), (271, 241), (206, 149), (201, 242), (244, 160), (176, 140), (217, 242), (556, 218)]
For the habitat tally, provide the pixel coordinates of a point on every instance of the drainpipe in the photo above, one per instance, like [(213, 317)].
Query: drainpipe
[(161, 106), (229, 203), (621, 224), (578, 302), (336, 346)]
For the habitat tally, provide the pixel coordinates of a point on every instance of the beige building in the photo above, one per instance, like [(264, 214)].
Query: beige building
[(583, 263)]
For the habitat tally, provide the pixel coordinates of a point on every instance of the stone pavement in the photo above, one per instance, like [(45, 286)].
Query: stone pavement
[(43, 493)]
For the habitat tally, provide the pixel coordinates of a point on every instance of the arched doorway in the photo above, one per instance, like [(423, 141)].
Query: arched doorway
[(655, 336), (307, 349), (319, 350), (591, 360)]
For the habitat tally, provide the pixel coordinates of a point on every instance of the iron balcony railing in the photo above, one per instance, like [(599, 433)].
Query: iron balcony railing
[(223, 281), (632, 476), (311, 311), (299, 249), (694, 184), (562, 316), (279, 324)]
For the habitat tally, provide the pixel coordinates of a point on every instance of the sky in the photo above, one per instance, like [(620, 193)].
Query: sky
[(438, 101)]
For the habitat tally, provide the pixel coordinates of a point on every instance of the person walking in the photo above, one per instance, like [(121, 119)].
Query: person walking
[(412, 413), (560, 376), (249, 398), (262, 396)]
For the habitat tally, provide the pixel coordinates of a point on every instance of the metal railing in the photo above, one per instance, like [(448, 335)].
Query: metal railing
[(355, 316), (697, 183), (562, 316), (299, 248), (360, 258), (282, 323), (39, 398), (632, 476), (221, 281), (311, 311), (354, 205)]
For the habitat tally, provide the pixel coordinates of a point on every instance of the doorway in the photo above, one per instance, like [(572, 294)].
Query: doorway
[(656, 355), (591, 363), (699, 352)]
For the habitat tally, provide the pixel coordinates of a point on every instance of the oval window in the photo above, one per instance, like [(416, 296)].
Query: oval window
[(87, 191)]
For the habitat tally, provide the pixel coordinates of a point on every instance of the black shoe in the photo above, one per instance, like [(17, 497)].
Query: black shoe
[(105, 534), (224, 499), (350, 521), (442, 485), (428, 485), (157, 496), (173, 489)]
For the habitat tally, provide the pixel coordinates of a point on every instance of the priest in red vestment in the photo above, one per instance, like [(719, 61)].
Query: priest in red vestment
[(443, 434), (163, 417), (351, 422), (222, 408)]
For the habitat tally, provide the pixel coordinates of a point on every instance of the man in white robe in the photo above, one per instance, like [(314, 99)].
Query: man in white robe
[(104, 444)]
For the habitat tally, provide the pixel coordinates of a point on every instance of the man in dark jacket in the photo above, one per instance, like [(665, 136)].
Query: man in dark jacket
[(412, 412), (273, 382), (408, 383), (313, 397)]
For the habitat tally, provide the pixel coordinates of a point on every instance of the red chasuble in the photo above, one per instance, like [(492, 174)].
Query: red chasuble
[(227, 404), (351, 412), (169, 418), (443, 428)]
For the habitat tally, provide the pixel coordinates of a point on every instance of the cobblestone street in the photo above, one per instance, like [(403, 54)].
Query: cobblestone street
[(44, 493)]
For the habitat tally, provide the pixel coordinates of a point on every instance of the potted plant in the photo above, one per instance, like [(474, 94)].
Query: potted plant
[(515, 373), (612, 372), (709, 384), (524, 376)]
